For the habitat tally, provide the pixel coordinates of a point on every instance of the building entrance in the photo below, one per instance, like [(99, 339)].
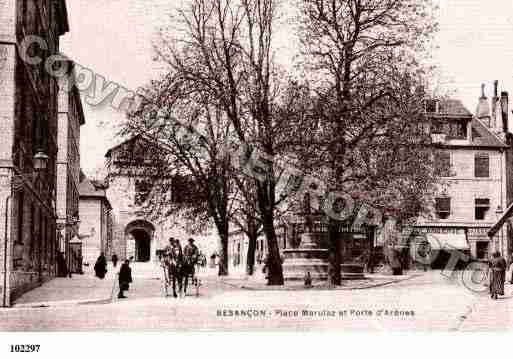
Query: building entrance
[(142, 245), (140, 233)]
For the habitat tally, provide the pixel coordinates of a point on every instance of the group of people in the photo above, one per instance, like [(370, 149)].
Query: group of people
[(179, 264), (124, 276)]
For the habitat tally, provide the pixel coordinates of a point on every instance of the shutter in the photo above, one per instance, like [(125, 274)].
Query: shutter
[(443, 163), (482, 165)]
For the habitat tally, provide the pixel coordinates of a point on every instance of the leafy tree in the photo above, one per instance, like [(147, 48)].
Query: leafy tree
[(362, 60)]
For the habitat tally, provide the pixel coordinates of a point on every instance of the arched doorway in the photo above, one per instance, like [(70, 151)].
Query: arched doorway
[(142, 245), (140, 234)]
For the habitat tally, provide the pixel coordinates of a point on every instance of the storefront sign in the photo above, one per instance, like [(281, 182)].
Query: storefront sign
[(440, 230)]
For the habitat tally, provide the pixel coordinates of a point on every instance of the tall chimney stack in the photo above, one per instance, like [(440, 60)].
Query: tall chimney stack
[(504, 109), (483, 107), (495, 121)]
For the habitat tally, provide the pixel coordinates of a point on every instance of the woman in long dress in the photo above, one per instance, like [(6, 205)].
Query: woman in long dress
[(497, 275), (100, 268)]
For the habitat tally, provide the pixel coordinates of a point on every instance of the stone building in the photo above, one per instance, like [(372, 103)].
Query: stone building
[(475, 157), (71, 117), (95, 220), (135, 235), (28, 150)]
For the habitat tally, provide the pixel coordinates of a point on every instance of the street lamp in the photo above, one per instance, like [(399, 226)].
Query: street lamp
[(499, 239), (40, 160)]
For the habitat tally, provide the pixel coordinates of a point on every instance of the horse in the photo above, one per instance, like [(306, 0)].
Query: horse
[(191, 259), (188, 270), (172, 263)]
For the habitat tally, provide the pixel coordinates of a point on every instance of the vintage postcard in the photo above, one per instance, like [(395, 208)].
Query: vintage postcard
[(255, 165)]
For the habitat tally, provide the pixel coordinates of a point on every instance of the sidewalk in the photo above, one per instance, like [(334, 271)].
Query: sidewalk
[(258, 282), (80, 289)]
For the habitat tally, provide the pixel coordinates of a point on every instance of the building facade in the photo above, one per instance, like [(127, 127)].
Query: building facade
[(28, 150), (474, 155), (95, 220), (136, 235), (71, 117)]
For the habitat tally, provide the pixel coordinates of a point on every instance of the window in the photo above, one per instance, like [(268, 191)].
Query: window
[(458, 130), (482, 205), (481, 249), (142, 190), (431, 105), (481, 165), (443, 163), (443, 207)]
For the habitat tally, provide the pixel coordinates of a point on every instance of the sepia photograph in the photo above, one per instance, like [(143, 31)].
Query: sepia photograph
[(262, 166)]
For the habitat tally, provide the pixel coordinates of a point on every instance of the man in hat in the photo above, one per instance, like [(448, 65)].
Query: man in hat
[(191, 256)]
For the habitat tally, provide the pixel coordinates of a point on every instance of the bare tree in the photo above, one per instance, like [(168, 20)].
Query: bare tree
[(189, 176), (222, 51)]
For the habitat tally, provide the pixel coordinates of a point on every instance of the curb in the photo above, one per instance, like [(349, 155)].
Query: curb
[(63, 303), (270, 288)]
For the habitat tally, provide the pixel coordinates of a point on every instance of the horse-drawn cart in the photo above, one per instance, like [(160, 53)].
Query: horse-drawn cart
[(176, 270)]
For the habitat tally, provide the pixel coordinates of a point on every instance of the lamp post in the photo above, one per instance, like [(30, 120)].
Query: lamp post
[(499, 245), (40, 162), (71, 222)]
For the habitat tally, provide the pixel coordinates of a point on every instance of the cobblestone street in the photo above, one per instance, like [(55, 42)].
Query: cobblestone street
[(425, 302)]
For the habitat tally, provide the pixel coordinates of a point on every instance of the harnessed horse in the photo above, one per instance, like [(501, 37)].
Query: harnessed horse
[(171, 261), (191, 257)]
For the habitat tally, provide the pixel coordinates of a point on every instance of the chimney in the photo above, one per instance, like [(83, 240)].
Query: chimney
[(483, 107), (504, 109), (495, 121)]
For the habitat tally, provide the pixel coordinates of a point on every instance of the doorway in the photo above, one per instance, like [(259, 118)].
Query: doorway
[(142, 245)]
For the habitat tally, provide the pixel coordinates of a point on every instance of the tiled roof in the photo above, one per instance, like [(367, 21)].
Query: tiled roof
[(87, 188), (486, 138), (453, 107)]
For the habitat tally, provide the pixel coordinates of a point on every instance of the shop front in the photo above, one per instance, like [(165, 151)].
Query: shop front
[(434, 246)]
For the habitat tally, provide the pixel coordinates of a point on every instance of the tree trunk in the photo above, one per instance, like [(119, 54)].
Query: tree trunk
[(265, 196), (252, 236), (334, 277), (223, 254), (274, 268)]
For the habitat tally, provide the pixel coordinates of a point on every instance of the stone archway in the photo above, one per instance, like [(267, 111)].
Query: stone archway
[(141, 233)]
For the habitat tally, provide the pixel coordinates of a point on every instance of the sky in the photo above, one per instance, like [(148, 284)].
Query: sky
[(114, 38)]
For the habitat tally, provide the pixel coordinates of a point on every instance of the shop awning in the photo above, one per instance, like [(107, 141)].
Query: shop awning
[(447, 241), (497, 226)]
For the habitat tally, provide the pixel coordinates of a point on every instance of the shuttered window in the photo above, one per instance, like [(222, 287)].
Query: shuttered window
[(482, 205), (443, 207), (482, 165), (443, 163)]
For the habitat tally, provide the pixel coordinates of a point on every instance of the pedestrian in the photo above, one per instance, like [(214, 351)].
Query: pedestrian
[(125, 278), (62, 268), (114, 260), (395, 261), (100, 267), (308, 280), (497, 275)]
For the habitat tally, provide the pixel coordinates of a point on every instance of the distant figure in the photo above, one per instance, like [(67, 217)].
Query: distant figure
[(190, 259), (497, 275), (100, 268), (114, 260), (125, 278), (62, 269), (395, 261), (308, 280)]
